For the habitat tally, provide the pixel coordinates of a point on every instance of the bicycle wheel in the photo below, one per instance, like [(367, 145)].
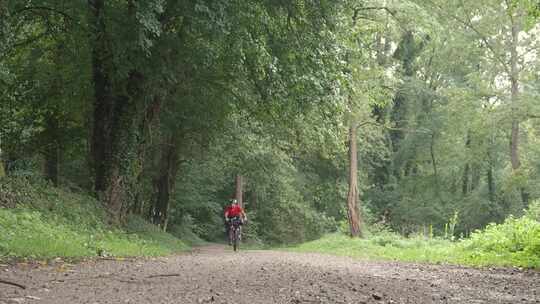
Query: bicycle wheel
[(235, 239)]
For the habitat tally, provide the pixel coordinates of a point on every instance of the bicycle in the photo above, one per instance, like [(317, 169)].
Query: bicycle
[(235, 232)]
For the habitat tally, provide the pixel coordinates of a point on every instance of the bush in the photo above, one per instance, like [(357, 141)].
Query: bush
[(27, 233), (533, 212), (46, 222), (516, 241), (385, 238)]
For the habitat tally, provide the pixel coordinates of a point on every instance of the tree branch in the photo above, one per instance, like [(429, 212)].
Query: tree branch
[(364, 123), (164, 275), (30, 40), (43, 8), (367, 8), (12, 284)]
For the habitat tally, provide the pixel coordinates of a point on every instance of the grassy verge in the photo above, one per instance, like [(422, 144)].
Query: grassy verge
[(386, 247), (516, 242), (40, 222), (416, 250)]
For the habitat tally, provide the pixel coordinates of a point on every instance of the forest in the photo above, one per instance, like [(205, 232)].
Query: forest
[(414, 118)]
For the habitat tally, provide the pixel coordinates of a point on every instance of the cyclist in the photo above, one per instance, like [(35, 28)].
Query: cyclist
[(232, 211)]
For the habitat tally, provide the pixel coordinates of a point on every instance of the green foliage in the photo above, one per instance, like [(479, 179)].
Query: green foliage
[(533, 212), (516, 242), (47, 222), (27, 234), (267, 89), (386, 247), (450, 227)]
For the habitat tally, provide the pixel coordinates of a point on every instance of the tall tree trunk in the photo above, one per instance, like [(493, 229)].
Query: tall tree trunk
[(514, 98), (6, 34), (52, 159), (475, 176), (239, 189), (5, 44), (253, 200), (490, 179), (406, 52), (125, 140), (465, 180), (352, 198), (165, 181), (150, 118), (103, 95), (467, 168), (115, 137), (491, 184), (52, 149), (379, 112), (514, 139), (2, 166), (434, 163), (398, 117)]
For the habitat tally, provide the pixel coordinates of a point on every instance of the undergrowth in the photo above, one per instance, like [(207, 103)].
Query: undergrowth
[(40, 221), (516, 242)]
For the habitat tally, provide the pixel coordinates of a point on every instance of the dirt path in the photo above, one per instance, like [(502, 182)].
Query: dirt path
[(214, 274)]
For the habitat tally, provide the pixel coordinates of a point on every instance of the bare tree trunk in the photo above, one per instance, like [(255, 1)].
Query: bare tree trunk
[(52, 159), (467, 169), (514, 98), (103, 96), (398, 117), (491, 184), (465, 180), (490, 179), (52, 150), (5, 44), (239, 188), (434, 163), (352, 198), (475, 176), (2, 163), (514, 139)]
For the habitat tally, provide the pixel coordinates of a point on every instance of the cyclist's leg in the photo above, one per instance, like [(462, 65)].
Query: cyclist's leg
[(240, 231), (235, 238), (230, 233)]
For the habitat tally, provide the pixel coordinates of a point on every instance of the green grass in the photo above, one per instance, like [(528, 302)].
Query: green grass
[(516, 242), (387, 247), (44, 222), (417, 250), (26, 233)]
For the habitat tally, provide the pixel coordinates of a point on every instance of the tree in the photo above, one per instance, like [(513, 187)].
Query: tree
[(352, 198), (239, 189), (366, 88), (503, 50)]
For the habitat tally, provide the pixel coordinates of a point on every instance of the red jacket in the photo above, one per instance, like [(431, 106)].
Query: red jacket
[(233, 211)]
